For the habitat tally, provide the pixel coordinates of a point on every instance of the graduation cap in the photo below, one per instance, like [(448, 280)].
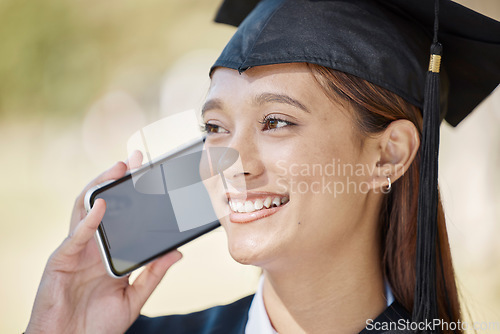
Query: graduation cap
[(388, 43)]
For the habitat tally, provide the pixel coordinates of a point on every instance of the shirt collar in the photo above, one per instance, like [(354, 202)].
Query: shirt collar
[(258, 320)]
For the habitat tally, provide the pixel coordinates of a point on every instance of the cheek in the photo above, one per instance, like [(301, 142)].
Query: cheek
[(311, 166), (320, 176)]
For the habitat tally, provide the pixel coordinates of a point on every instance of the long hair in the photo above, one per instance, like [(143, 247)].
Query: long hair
[(374, 108)]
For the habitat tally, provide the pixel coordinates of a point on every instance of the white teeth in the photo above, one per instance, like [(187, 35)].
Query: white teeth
[(249, 206), (258, 204), (240, 207)]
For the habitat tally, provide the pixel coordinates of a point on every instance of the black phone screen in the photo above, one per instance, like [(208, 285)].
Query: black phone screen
[(158, 210)]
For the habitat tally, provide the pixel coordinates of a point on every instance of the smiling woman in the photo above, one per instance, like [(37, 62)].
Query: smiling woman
[(301, 244), (314, 83)]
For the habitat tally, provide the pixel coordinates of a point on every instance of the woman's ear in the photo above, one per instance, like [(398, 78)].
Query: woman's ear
[(397, 147)]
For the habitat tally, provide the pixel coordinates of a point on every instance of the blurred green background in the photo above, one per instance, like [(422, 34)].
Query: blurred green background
[(58, 56), (78, 78)]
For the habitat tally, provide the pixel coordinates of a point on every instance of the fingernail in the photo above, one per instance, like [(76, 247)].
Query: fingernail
[(178, 255)]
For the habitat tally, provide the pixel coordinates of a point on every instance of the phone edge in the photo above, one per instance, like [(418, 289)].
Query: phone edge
[(97, 235)]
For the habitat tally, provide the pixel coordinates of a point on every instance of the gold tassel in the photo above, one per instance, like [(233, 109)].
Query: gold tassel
[(435, 63)]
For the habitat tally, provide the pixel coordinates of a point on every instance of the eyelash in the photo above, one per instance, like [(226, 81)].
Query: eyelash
[(208, 127), (267, 119)]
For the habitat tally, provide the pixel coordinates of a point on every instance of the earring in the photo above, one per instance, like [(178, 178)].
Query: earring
[(389, 186)]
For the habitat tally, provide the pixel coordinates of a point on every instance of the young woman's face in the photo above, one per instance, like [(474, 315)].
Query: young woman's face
[(301, 188)]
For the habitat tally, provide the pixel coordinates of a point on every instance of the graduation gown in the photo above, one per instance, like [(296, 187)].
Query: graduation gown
[(232, 319)]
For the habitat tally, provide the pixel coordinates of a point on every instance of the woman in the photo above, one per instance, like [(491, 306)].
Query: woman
[(324, 100)]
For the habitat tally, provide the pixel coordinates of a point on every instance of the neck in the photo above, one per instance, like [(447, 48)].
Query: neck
[(323, 293)]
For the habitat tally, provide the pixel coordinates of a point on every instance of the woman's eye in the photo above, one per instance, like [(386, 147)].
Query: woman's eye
[(273, 123), (213, 128)]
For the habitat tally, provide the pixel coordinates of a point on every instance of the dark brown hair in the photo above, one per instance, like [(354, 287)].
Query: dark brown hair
[(374, 108)]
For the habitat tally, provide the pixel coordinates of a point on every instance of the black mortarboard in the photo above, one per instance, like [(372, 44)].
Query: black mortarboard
[(385, 42)]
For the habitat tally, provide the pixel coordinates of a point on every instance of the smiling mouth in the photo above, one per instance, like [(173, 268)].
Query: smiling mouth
[(257, 204), (253, 207)]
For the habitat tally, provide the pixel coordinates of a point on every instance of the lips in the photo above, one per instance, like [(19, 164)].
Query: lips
[(249, 207)]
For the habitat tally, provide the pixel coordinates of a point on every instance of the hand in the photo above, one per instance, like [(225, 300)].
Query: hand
[(76, 295)]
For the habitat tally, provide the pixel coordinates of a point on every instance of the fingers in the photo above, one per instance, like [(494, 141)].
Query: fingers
[(115, 172), (85, 229), (147, 281), (134, 161)]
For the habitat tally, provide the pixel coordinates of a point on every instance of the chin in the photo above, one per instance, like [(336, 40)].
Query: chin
[(251, 251), (244, 251), (256, 243), (242, 247), (245, 259)]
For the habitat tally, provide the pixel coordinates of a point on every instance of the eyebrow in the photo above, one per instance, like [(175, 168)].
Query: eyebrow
[(211, 104), (279, 98), (259, 100)]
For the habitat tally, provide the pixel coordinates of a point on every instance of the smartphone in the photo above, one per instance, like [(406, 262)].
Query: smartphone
[(159, 207)]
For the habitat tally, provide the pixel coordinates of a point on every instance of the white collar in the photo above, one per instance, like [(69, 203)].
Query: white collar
[(258, 320)]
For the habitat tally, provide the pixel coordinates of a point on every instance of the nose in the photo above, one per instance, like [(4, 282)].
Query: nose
[(249, 165)]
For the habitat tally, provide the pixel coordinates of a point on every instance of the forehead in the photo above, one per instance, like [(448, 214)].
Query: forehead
[(279, 75), (292, 78)]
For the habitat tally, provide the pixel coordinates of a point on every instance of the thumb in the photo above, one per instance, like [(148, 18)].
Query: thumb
[(85, 230)]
